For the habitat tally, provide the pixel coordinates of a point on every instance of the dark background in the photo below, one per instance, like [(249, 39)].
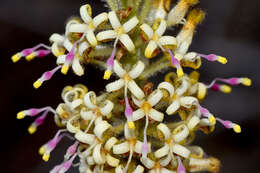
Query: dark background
[(231, 29)]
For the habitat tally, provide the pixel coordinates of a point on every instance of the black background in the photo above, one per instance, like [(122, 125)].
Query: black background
[(231, 29)]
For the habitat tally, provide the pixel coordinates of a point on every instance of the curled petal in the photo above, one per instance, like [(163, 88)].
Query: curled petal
[(188, 101), (57, 38), (137, 70), (148, 163), (111, 161), (156, 115), (90, 100), (180, 133), (183, 88), (91, 38), (139, 169), (121, 148), (168, 87), (147, 30), (84, 137), (110, 143), (168, 42), (137, 102), (180, 150), (155, 97), (106, 35), (166, 160), (138, 114), (78, 28), (174, 106), (83, 47), (161, 29), (114, 86), (77, 67), (98, 156), (130, 24), (202, 90), (90, 160), (61, 59), (193, 122), (151, 47), (107, 108), (68, 45), (164, 130), (127, 42), (100, 128), (87, 115), (99, 19), (118, 69), (161, 152), (114, 19), (86, 13), (135, 90), (164, 170)]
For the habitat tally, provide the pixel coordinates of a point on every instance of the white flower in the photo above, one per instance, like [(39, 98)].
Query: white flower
[(156, 39), (76, 61), (127, 79), (119, 32), (95, 110), (57, 47), (131, 145), (172, 142), (89, 25)]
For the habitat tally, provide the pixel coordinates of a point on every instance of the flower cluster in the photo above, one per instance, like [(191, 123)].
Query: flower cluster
[(133, 126)]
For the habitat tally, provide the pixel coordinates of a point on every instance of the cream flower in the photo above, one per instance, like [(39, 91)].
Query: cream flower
[(89, 25), (166, 43), (119, 32), (146, 109), (156, 39), (127, 81), (172, 143), (155, 167), (131, 145), (95, 110)]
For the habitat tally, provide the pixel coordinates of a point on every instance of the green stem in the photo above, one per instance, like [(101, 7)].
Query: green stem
[(155, 67), (113, 4), (145, 10)]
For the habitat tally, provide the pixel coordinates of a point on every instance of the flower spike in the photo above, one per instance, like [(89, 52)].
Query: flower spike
[(230, 125), (33, 127), (213, 57), (30, 54), (46, 76), (175, 62)]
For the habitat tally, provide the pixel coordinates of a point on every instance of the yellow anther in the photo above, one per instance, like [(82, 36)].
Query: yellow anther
[(180, 72), (237, 128), (42, 150), (212, 120), (225, 89), (37, 84), (246, 81), (20, 115), (107, 74), (31, 56), (32, 129), (16, 57), (222, 60), (46, 157), (131, 125), (64, 69)]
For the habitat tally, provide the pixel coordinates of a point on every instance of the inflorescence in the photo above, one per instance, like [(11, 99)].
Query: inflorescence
[(128, 127)]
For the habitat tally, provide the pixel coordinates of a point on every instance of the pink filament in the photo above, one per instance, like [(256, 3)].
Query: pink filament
[(110, 61), (210, 57), (48, 75), (181, 168)]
